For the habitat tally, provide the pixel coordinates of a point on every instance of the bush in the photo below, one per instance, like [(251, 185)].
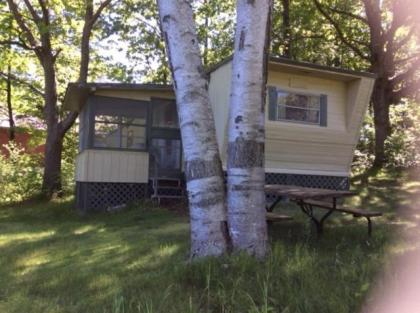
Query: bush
[(402, 147), (20, 174), (68, 159)]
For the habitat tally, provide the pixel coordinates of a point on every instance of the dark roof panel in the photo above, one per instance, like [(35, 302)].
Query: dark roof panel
[(76, 94)]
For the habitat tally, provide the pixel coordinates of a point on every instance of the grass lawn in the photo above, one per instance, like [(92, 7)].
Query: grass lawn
[(53, 260)]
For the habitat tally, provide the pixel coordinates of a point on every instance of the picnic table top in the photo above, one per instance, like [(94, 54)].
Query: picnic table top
[(301, 193)]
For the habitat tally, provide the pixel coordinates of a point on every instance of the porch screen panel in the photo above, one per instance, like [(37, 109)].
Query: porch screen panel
[(164, 113), (119, 124)]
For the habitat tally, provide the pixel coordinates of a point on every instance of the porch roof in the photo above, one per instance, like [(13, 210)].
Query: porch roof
[(76, 94)]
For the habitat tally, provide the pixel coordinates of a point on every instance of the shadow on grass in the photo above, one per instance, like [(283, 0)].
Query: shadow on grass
[(53, 260)]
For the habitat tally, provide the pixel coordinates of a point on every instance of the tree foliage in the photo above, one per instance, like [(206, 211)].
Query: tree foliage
[(137, 24), (391, 50), (45, 30)]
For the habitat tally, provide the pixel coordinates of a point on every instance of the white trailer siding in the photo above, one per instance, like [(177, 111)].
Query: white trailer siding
[(301, 148)]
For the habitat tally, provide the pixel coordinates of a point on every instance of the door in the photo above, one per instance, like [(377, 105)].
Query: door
[(165, 161), (165, 146)]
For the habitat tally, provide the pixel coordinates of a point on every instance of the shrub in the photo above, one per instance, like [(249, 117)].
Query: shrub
[(402, 147), (68, 159), (20, 174)]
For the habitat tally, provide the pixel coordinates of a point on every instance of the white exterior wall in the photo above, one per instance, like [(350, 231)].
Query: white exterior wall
[(301, 148), (112, 166)]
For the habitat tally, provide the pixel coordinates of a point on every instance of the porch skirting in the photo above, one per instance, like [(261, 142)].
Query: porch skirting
[(101, 196), (312, 181)]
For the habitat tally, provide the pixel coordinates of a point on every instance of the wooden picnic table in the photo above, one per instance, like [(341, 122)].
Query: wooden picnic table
[(302, 193), (308, 199)]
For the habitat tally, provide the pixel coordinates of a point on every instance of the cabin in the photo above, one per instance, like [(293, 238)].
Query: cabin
[(130, 145)]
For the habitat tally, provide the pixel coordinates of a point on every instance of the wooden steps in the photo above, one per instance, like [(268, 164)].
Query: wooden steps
[(167, 188)]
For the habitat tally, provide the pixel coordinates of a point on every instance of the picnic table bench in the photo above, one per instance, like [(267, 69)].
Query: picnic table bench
[(310, 198), (272, 217)]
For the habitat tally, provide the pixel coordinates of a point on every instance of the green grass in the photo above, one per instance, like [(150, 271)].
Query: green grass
[(53, 260)]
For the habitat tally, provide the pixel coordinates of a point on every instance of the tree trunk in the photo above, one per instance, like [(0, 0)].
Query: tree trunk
[(381, 121), (84, 45), (9, 104), (51, 183), (246, 175), (85, 55), (43, 49), (203, 170), (52, 167)]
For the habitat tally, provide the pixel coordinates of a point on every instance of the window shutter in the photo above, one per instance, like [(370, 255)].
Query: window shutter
[(323, 112), (272, 103)]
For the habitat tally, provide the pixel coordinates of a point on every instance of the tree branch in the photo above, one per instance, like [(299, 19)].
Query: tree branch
[(408, 91), (302, 37), (412, 69), (22, 82), (404, 40), (55, 55), (409, 58), (349, 14), (45, 12), (398, 19), (67, 122), (98, 12), (16, 43), (34, 15), (19, 19), (340, 32)]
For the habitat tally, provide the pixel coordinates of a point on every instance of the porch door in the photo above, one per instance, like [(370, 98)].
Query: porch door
[(165, 147)]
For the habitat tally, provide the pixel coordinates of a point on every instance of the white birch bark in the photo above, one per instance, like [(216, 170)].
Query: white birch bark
[(203, 170), (246, 176)]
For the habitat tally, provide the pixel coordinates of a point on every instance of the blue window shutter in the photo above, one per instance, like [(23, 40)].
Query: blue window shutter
[(323, 111), (272, 103)]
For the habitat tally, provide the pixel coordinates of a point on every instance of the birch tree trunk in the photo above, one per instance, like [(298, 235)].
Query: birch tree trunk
[(246, 175), (203, 170)]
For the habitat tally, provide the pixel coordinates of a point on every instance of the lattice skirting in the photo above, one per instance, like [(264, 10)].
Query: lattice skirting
[(98, 197), (314, 181)]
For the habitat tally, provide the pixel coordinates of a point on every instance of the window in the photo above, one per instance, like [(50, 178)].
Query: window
[(297, 107), (119, 131)]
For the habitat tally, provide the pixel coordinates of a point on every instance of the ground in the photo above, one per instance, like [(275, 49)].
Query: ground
[(53, 260)]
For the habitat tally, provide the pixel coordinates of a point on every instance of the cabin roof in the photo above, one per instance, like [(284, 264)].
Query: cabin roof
[(286, 62), (77, 94)]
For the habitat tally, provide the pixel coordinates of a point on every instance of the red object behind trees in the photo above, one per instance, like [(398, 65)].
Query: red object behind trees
[(22, 138)]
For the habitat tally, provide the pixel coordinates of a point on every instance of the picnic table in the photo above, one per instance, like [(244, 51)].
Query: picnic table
[(310, 198)]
